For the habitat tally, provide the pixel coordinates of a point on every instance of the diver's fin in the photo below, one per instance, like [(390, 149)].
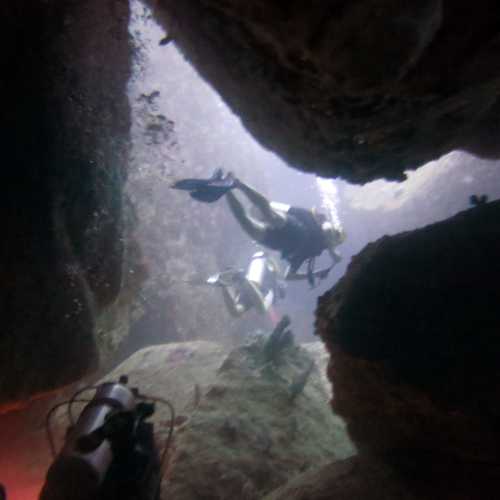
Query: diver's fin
[(207, 190), (214, 188), (193, 184), (188, 184), (209, 194)]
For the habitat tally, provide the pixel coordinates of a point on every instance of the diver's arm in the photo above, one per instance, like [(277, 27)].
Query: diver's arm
[(320, 273), (297, 276), (336, 258)]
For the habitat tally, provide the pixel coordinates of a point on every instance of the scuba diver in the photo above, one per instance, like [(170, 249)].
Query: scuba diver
[(259, 287), (299, 234)]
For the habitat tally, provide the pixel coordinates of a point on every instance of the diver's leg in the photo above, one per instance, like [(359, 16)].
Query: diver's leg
[(263, 204), (258, 300), (255, 229), (234, 306)]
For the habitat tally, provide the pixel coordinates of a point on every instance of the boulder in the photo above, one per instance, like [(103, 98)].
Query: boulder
[(247, 420), (250, 429), (412, 333)]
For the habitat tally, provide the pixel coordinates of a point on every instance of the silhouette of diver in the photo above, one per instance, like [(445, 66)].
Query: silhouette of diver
[(299, 234), (258, 287)]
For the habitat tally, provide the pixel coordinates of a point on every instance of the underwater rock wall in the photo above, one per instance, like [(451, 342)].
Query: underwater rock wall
[(181, 244), (182, 241), (65, 124), (412, 329), (180, 128), (360, 90)]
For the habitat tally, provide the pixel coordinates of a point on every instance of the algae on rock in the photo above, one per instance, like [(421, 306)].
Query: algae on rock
[(247, 437)]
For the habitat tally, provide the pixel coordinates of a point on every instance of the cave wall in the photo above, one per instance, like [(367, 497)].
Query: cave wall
[(412, 329), (360, 90), (65, 126), (183, 242)]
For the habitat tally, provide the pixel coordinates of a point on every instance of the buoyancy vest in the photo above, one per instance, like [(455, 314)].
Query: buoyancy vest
[(299, 239)]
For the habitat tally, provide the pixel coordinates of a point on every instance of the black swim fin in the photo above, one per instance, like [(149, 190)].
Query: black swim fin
[(193, 184), (207, 190), (188, 184), (208, 194)]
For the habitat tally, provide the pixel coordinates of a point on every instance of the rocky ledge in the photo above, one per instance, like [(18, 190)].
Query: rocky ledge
[(361, 90)]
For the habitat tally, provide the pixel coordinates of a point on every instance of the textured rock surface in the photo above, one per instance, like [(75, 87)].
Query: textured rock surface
[(363, 90), (433, 478), (412, 329), (346, 480), (182, 241), (237, 433), (64, 140), (424, 303), (247, 437)]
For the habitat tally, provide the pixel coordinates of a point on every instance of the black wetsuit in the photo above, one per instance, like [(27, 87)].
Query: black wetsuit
[(300, 239)]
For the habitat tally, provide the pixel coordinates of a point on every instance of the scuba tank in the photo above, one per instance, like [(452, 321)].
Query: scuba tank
[(109, 453)]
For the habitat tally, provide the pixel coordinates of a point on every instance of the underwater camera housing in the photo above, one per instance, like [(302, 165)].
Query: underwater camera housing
[(110, 452)]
